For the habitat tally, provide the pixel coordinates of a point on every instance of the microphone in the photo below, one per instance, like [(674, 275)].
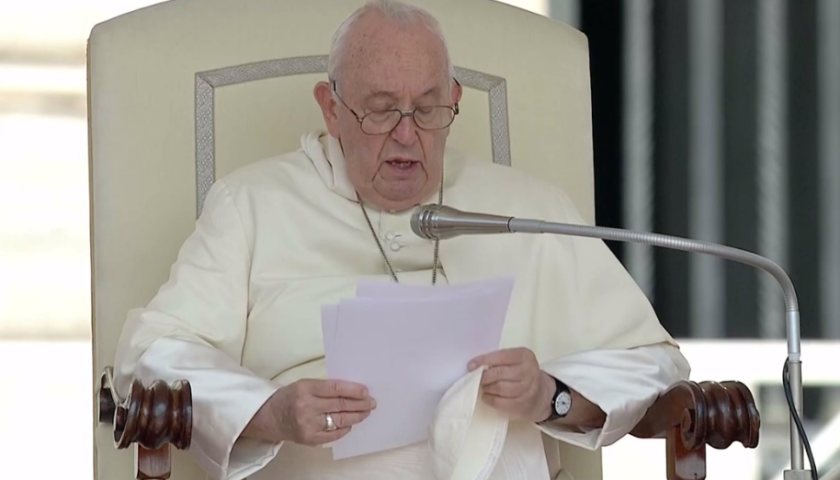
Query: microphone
[(441, 222)]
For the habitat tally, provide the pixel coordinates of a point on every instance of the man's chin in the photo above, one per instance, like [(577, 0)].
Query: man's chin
[(396, 201), (399, 205), (399, 197)]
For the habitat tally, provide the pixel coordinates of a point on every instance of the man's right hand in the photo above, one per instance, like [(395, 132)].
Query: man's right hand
[(298, 412)]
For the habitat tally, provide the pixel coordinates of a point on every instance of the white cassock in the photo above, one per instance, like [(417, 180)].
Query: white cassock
[(240, 317)]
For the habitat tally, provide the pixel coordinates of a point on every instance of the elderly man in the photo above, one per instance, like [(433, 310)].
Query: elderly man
[(583, 353)]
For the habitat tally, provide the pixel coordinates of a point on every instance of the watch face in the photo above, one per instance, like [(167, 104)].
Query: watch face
[(563, 403)]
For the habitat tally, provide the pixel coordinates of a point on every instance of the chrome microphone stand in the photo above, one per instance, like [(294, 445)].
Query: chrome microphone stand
[(443, 222)]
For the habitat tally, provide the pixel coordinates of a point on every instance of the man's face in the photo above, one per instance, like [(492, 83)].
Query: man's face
[(390, 66)]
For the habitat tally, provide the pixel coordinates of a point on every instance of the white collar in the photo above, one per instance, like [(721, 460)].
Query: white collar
[(326, 154)]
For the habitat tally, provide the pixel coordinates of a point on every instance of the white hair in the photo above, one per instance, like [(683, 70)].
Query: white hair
[(395, 10)]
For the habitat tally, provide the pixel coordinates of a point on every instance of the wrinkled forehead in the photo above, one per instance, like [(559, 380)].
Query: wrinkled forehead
[(408, 61), (400, 83)]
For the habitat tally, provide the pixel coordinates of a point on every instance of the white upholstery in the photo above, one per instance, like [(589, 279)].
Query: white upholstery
[(142, 84)]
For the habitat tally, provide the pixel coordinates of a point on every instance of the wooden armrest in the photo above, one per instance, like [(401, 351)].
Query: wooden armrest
[(692, 415), (688, 415), (152, 418)]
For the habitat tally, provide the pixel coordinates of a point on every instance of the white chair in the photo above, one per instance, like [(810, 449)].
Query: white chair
[(186, 91)]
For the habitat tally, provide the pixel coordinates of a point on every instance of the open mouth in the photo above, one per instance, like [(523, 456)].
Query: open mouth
[(402, 164)]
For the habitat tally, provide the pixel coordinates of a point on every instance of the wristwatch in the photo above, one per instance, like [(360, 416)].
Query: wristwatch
[(561, 402)]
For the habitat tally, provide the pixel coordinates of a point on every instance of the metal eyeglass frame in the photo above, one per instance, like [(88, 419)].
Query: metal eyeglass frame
[(455, 109)]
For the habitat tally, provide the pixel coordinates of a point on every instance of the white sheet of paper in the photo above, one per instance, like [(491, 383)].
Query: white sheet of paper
[(329, 326), (408, 349)]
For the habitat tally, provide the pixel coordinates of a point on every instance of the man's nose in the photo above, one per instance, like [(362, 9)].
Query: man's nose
[(406, 131)]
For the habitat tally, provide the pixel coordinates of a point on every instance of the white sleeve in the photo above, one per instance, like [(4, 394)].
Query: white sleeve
[(194, 329), (623, 383)]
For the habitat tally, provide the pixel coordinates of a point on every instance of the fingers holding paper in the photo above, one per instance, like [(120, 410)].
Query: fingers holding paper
[(513, 383), (312, 412)]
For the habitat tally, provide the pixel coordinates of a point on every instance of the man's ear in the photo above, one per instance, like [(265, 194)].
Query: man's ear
[(457, 91), (325, 99)]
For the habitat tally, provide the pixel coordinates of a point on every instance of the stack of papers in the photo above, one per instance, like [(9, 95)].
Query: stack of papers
[(408, 345)]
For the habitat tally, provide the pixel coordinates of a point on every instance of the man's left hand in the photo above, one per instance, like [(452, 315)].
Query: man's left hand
[(514, 384)]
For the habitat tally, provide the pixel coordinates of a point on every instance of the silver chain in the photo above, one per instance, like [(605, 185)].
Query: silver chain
[(436, 260)]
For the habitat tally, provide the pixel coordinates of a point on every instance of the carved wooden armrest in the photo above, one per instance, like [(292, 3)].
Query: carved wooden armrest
[(688, 415), (692, 415), (152, 418)]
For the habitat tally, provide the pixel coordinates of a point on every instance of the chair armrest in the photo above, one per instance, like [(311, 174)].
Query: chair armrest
[(691, 415), (688, 415), (152, 418)]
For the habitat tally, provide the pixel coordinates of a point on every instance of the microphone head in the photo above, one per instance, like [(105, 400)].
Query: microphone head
[(439, 222), (422, 221)]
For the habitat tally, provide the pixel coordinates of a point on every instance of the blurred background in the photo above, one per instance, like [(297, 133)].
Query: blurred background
[(714, 119)]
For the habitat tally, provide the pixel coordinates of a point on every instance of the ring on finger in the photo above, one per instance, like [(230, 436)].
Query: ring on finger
[(331, 426)]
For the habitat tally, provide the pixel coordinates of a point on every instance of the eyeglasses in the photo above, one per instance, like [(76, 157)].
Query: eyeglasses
[(432, 117)]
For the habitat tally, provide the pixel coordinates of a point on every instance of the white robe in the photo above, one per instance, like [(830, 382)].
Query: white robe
[(240, 317)]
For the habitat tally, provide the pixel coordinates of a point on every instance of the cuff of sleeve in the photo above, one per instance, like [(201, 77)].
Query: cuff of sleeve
[(590, 439), (225, 397), (624, 384), (230, 456), (248, 456)]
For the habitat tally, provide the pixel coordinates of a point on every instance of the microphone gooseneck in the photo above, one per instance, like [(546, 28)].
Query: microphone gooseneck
[(441, 222)]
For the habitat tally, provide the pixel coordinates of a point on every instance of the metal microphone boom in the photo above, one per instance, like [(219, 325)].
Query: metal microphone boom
[(441, 222)]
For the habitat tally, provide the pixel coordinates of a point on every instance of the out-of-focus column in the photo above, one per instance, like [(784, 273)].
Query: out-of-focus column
[(638, 136), (706, 273)]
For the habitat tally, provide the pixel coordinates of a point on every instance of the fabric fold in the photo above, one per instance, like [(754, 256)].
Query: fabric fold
[(225, 398), (467, 436)]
